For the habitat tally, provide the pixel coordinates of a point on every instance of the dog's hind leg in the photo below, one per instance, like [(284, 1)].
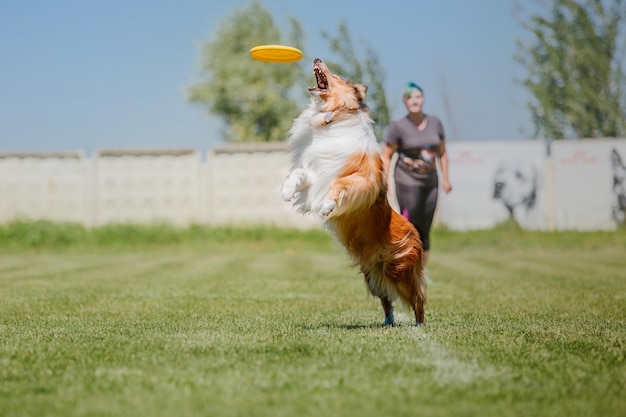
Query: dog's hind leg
[(376, 286), (388, 309)]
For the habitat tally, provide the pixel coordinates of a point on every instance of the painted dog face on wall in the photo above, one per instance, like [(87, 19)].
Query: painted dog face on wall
[(619, 187), (516, 185)]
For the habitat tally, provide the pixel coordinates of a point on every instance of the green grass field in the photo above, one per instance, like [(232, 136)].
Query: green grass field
[(153, 321)]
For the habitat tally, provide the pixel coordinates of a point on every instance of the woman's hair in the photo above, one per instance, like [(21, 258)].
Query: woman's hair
[(410, 87)]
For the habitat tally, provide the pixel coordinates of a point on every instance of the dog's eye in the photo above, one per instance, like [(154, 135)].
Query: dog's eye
[(519, 175)]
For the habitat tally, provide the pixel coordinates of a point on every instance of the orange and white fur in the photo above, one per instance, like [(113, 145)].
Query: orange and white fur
[(337, 173)]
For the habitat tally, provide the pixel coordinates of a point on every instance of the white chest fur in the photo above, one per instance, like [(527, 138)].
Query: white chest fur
[(320, 152)]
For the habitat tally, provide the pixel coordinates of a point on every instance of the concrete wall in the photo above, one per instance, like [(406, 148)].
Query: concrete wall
[(149, 186), (576, 185), (244, 186), (477, 168), (572, 185), (50, 186), (589, 184)]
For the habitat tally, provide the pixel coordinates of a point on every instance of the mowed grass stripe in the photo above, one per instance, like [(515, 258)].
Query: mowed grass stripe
[(280, 327), (557, 264)]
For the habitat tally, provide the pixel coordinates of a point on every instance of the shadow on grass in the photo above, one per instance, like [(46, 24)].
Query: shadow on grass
[(349, 327)]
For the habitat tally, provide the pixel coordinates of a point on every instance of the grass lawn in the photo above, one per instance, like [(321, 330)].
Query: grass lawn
[(133, 321)]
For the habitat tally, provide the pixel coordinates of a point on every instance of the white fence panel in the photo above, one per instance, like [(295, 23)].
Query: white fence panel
[(244, 184), (148, 186), (495, 181), (51, 186), (581, 185), (589, 187)]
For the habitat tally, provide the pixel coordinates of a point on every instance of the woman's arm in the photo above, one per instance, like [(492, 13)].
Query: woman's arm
[(443, 161), (388, 151)]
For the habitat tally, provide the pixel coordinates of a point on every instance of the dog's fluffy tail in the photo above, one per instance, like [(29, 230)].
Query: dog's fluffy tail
[(411, 283), (408, 261)]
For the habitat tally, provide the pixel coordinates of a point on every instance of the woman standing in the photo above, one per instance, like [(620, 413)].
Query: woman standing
[(419, 140)]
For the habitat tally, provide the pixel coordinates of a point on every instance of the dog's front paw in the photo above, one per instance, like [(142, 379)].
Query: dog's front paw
[(327, 207), (288, 191)]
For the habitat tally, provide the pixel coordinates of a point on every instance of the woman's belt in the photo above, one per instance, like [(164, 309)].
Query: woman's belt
[(419, 166)]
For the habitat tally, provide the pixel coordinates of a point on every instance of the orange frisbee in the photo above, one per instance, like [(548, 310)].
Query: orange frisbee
[(276, 53)]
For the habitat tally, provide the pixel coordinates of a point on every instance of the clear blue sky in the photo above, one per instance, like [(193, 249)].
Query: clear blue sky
[(102, 74)]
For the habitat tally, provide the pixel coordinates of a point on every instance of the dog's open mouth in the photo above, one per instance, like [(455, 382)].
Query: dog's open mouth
[(322, 81)]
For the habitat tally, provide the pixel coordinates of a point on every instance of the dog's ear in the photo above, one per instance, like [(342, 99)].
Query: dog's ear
[(361, 89)]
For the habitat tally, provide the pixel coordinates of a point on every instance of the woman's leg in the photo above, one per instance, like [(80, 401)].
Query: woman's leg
[(420, 204), (407, 200), (428, 201), (430, 204)]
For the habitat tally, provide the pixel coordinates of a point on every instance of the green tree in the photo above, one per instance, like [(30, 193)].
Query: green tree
[(575, 72), (366, 70), (255, 99)]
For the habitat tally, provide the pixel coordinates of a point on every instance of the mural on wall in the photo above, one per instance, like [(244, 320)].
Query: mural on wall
[(619, 187), (516, 185), (587, 183), (496, 182)]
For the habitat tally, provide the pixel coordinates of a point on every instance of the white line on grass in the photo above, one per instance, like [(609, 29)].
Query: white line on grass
[(449, 369)]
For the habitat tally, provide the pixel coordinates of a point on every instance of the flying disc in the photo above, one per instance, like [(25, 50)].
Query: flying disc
[(276, 53)]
